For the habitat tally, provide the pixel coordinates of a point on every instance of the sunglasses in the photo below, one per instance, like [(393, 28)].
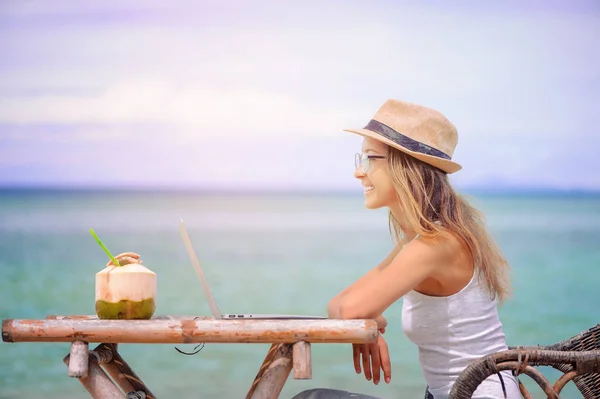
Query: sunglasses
[(364, 161)]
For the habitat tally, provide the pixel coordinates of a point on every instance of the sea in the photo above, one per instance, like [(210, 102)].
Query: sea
[(269, 252)]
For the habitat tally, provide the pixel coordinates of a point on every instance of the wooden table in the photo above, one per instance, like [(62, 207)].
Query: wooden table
[(105, 374)]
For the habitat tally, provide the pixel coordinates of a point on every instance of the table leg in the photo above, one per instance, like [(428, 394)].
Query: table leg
[(105, 373), (123, 375), (97, 383), (273, 373), (301, 358)]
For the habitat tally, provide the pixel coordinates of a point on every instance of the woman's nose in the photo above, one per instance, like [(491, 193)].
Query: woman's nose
[(358, 173)]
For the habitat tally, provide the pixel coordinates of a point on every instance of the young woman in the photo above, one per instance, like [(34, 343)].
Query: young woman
[(445, 265)]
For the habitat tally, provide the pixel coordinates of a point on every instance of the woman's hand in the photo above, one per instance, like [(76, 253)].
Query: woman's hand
[(381, 323), (375, 357)]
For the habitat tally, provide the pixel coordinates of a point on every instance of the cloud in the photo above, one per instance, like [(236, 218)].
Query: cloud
[(40, 134), (491, 75), (61, 7), (83, 77), (188, 110)]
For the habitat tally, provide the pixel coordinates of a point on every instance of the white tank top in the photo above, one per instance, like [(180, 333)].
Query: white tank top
[(451, 332)]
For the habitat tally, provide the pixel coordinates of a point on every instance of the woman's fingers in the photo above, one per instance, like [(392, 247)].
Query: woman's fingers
[(384, 358), (375, 363), (366, 361), (375, 357), (356, 357)]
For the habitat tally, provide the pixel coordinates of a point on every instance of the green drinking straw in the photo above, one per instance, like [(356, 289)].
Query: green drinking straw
[(115, 262)]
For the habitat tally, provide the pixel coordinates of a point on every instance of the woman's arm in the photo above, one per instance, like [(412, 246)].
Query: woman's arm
[(417, 261), (335, 302)]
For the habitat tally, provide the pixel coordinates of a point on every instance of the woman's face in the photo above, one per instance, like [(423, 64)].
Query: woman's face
[(373, 173)]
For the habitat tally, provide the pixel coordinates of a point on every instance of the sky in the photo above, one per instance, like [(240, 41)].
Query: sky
[(256, 94)]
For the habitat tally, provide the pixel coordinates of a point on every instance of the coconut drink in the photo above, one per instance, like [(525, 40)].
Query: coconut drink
[(125, 289)]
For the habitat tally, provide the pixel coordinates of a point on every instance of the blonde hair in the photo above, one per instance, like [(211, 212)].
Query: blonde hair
[(426, 196)]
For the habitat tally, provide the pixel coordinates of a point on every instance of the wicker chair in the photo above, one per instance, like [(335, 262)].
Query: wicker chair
[(578, 358)]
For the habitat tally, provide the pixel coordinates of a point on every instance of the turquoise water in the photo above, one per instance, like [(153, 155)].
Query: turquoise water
[(267, 253)]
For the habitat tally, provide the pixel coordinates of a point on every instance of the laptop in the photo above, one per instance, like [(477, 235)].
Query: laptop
[(211, 299)]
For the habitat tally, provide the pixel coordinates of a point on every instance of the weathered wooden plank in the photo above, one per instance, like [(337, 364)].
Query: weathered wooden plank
[(97, 383), (263, 367), (189, 330), (122, 374), (276, 374), (301, 358)]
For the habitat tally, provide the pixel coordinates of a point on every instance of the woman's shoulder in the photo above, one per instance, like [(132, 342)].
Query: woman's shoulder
[(454, 268), (445, 242)]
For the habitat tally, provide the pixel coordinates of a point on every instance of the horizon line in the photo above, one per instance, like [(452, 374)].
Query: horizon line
[(231, 190)]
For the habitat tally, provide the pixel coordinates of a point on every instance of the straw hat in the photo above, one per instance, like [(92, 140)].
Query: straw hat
[(421, 132)]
